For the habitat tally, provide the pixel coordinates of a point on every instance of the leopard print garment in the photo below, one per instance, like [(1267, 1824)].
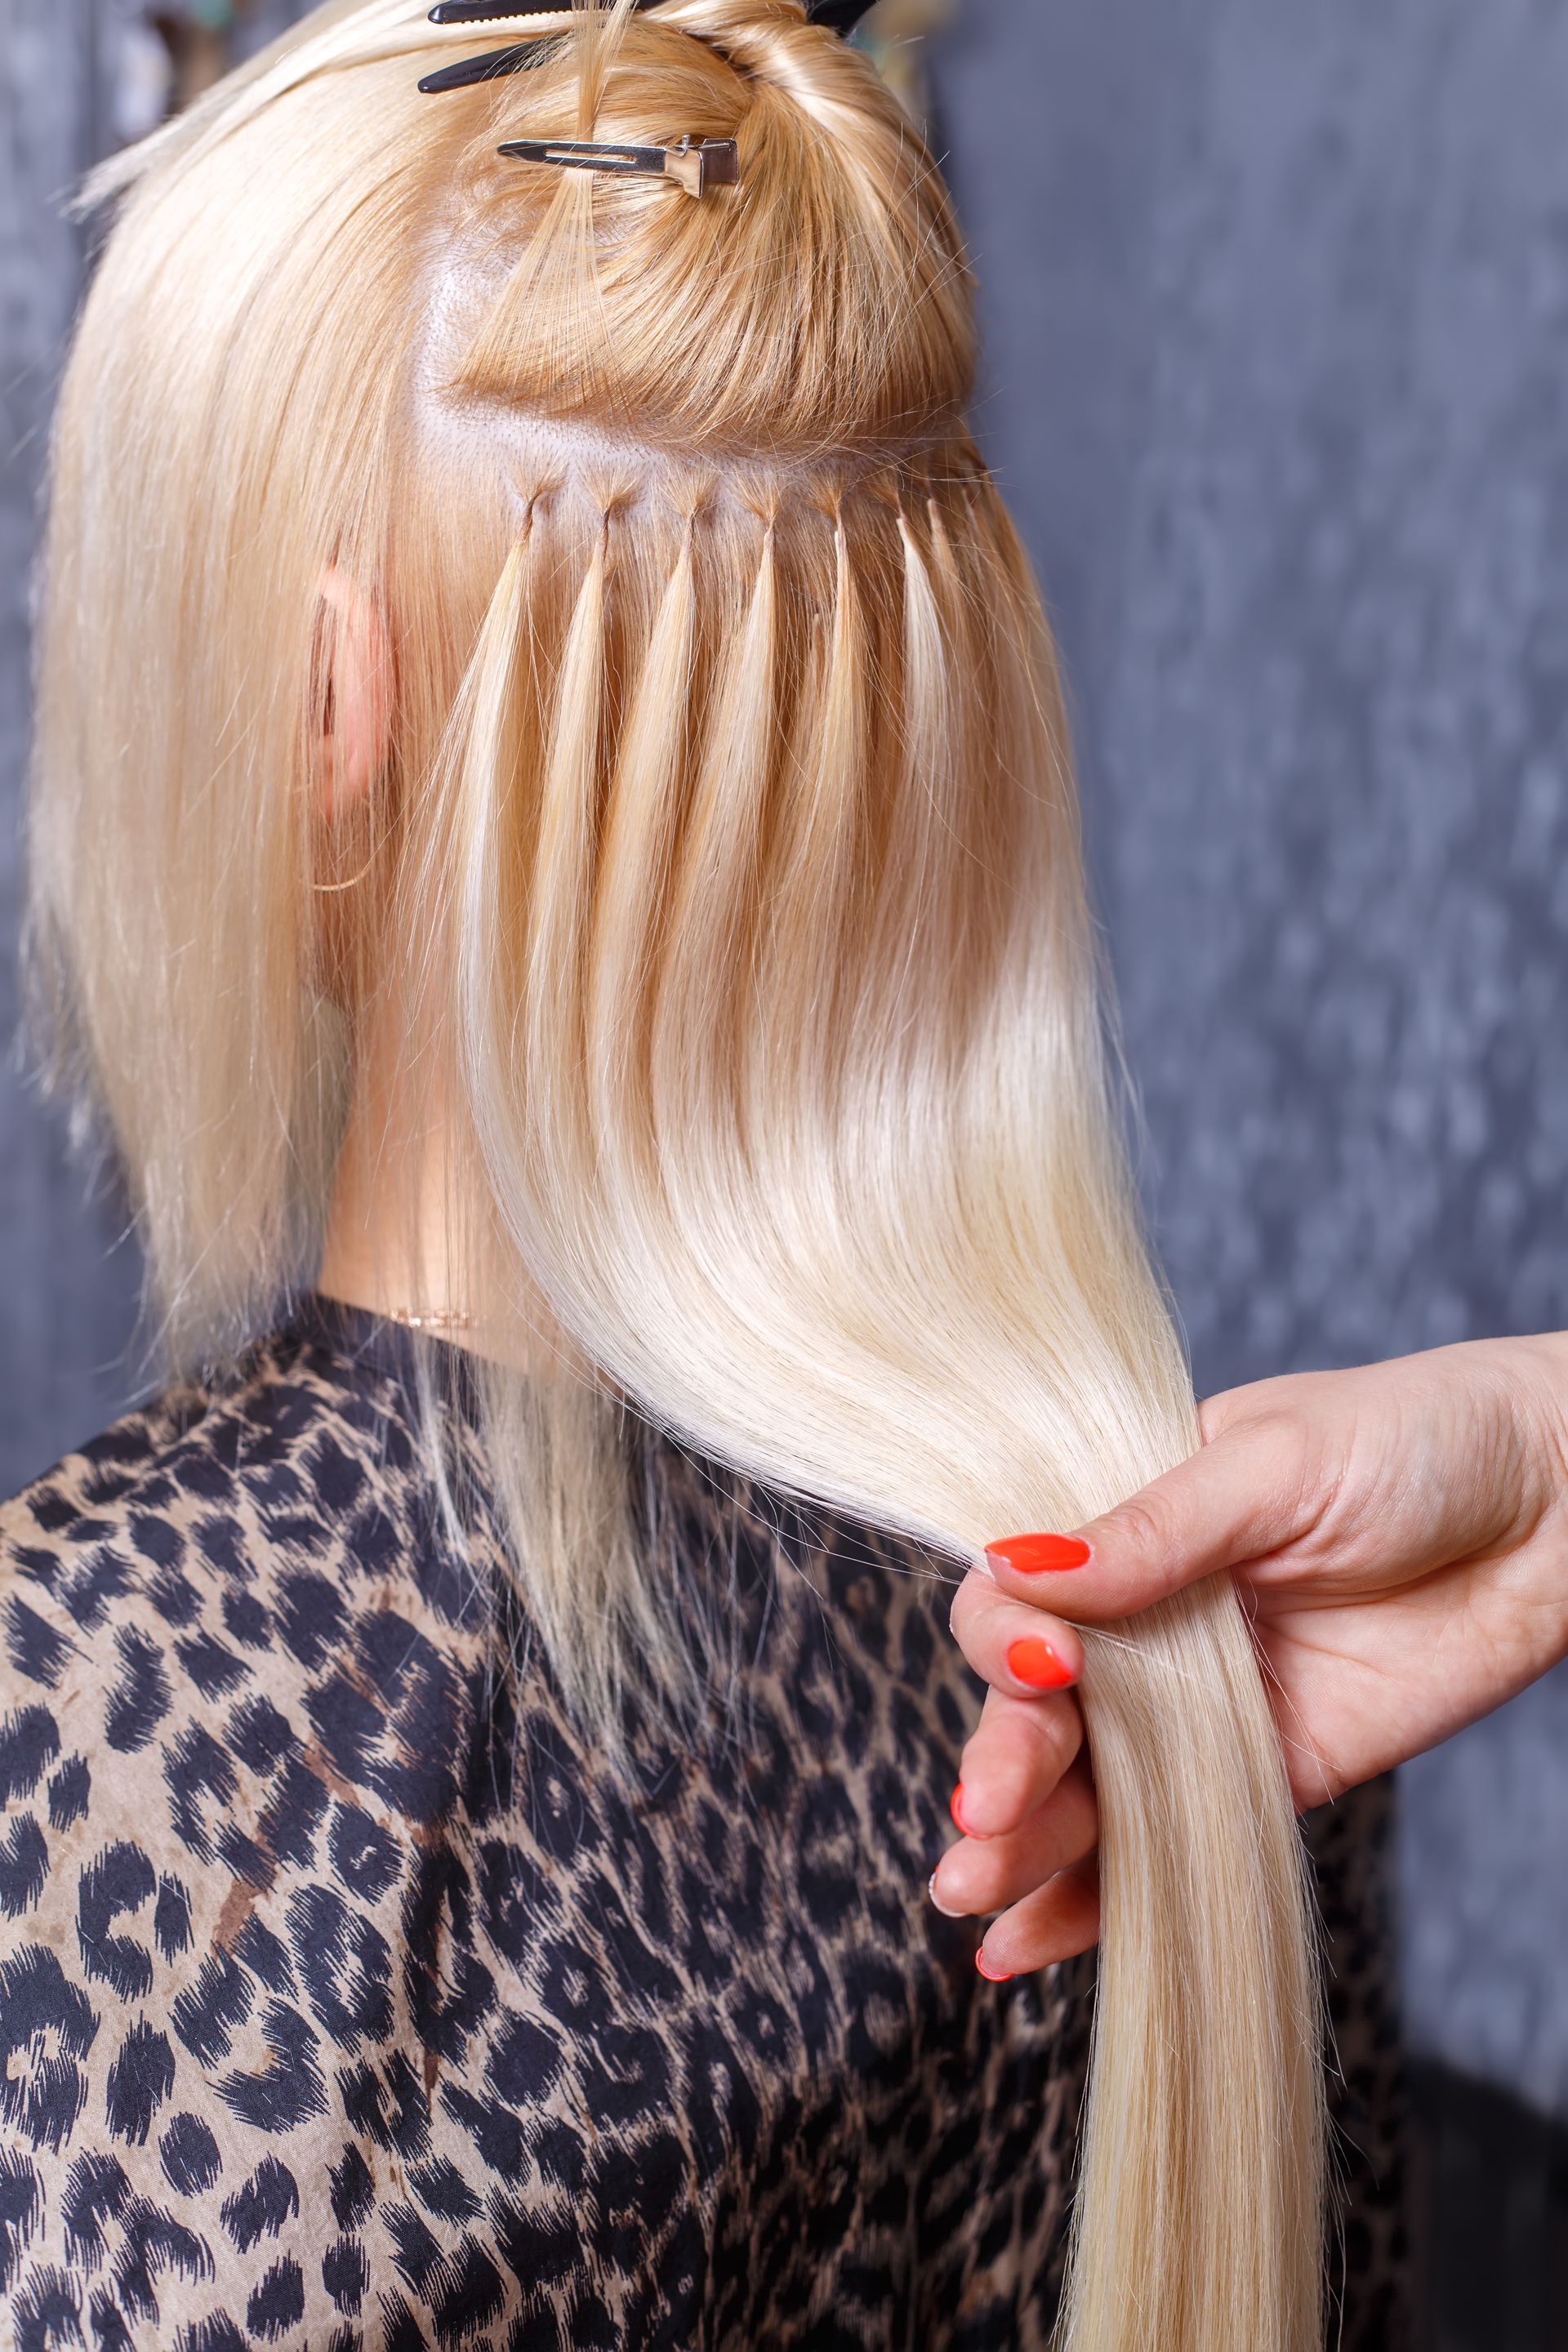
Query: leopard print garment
[(345, 2005), (1371, 2288), (347, 2002)]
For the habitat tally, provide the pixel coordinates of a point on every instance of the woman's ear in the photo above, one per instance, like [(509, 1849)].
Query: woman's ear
[(355, 713)]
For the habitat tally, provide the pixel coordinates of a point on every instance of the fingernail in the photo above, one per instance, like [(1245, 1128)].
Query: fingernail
[(955, 1807), (1037, 1555), (1034, 1661), (988, 1969), (942, 1906)]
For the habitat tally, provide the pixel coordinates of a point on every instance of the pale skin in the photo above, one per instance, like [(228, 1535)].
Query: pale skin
[(384, 1247), (1398, 1535)]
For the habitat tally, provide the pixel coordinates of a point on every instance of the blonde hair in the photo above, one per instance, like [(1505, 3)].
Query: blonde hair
[(723, 877)]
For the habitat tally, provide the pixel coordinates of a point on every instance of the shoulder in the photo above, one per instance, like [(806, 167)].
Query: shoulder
[(79, 1538), (277, 1432), (166, 1593), (83, 1545), (205, 1615), (195, 1508), (209, 1618)]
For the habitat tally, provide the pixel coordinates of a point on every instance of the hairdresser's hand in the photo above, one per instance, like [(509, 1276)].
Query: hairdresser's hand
[(1398, 1535), (1024, 1801), (1399, 1538)]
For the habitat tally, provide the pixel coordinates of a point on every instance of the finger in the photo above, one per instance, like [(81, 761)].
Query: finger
[(1240, 1498), (1009, 1644), (1013, 1759), (1057, 1921), (987, 1875)]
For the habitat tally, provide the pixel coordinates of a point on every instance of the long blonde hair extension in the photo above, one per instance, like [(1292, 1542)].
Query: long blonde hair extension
[(722, 881)]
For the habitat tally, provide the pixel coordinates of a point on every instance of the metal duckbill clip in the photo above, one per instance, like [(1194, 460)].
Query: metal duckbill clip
[(694, 164)]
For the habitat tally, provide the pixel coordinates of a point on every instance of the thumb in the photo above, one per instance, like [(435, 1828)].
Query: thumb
[(1237, 1499)]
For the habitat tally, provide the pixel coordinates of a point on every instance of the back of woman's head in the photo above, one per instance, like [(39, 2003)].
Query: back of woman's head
[(716, 887), (336, 332)]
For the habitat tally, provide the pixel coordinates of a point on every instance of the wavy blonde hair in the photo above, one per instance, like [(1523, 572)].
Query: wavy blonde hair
[(724, 884)]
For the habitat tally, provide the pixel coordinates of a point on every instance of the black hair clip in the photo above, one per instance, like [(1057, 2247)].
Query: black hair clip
[(694, 164), (491, 66), (486, 12), (519, 56), (838, 15)]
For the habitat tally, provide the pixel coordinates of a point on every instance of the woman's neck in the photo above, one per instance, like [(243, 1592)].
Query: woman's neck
[(389, 1239), (399, 1235)]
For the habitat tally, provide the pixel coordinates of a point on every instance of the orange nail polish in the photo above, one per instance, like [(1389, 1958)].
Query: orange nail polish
[(1040, 1554), (955, 1807), (1034, 1661), (993, 1975)]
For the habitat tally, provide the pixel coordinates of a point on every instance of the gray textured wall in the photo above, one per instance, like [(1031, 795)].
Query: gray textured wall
[(66, 1303), (1276, 303), (69, 1280)]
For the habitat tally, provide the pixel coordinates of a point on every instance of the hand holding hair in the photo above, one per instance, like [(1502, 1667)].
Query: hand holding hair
[(1398, 1535), (1025, 1803)]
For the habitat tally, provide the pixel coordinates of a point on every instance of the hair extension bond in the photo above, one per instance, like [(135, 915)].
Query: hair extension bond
[(721, 884)]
